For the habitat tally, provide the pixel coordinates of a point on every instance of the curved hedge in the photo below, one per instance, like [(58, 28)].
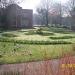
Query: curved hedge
[(34, 42), (9, 35), (63, 37)]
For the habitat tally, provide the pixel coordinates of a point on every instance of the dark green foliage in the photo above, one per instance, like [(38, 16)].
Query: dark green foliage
[(63, 37), (9, 35), (57, 30), (33, 42), (1, 55), (32, 32), (14, 50), (47, 33), (39, 31)]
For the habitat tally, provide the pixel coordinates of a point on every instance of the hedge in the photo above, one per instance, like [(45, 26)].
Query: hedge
[(33, 42)]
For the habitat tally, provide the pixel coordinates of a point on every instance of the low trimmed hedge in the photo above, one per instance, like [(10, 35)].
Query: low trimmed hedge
[(31, 32), (39, 32), (47, 33), (63, 37), (33, 42), (9, 35), (57, 30)]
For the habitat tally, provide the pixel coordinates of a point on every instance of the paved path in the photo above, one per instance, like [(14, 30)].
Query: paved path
[(50, 67)]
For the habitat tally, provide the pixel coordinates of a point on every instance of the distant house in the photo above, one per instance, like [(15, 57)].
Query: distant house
[(16, 17)]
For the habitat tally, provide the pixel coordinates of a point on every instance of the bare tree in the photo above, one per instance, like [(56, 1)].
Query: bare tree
[(42, 15), (71, 11), (56, 10), (44, 9), (4, 3)]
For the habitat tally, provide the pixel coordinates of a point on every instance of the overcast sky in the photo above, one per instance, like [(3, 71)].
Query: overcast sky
[(32, 4)]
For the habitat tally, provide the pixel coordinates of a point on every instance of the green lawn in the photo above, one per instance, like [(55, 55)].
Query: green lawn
[(14, 53), (11, 52), (29, 34)]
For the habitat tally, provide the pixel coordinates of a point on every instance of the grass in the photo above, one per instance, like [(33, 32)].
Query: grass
[(35, 44), (17, 53)]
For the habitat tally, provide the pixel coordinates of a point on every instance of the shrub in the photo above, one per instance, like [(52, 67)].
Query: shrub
[(63, 37), (45, 28), (47, 33), (1, 55), (39, 31), (33, 42), (31, 32), (9, 35), (57, 30)]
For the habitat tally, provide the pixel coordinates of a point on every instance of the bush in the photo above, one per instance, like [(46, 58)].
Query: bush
[(56, 30), (39, 31), (33, 42), (1, 55), (9, 35), (63, 37), (45, 28), (31, 32), (47, 33)]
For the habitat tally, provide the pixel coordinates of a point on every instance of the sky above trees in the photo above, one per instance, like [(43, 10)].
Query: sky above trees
[(32, 4)]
